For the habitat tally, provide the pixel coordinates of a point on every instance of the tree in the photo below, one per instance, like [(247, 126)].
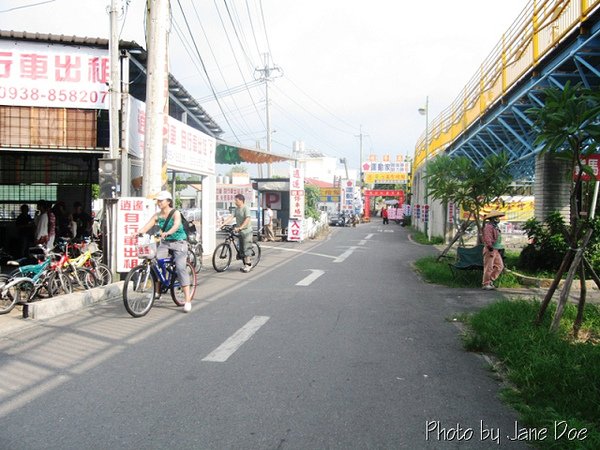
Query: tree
[(311, 201), (238, 168), (568, 126), (468, 186)]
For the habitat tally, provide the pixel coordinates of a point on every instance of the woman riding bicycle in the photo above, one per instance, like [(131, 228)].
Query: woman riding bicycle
[(173, 238), (243, 226)]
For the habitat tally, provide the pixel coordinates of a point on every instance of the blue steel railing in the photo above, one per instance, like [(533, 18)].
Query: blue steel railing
[(537, 30)]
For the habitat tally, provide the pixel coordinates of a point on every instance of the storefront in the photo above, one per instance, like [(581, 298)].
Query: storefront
[(54, 126)]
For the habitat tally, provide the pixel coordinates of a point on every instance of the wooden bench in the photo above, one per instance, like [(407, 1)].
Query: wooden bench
[(467, 258)]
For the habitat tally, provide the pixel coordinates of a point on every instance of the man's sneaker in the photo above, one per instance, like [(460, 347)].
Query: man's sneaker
[(488, 287), (246, 268), (187, 307)]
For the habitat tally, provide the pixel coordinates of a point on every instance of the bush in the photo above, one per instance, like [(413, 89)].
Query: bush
[(547, 245)]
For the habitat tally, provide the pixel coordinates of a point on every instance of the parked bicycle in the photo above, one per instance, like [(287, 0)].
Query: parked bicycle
[(155, 276), (195, 252), (82, 254), (221, 259), (30, 281)]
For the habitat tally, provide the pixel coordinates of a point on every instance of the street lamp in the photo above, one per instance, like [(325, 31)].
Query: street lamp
[(425, 112)]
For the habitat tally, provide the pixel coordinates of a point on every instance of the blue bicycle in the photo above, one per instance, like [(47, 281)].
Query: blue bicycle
[(155, 276)]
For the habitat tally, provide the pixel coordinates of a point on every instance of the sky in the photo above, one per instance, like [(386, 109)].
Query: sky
[(344, 67)]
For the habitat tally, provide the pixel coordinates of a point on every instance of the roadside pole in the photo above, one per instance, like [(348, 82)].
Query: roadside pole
[(157, 98)]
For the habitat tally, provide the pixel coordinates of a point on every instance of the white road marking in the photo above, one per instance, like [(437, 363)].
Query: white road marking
[(369, 236), (295, 250), (310, 278), (344, 255), (230, 346), (362, 242)]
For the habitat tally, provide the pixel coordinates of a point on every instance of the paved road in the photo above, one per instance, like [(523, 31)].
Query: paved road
[(327, 344)]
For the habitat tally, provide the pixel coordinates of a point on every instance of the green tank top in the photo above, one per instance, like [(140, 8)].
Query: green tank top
[(179, 235)]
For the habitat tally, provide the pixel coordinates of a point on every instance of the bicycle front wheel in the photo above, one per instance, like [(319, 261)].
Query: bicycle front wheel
[(254, 254), (59, 283), (177, 291), (103, 273), (222, 257), (138, 291), (84, 278), (8, 299)]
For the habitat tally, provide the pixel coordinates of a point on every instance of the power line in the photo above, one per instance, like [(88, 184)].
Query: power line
[(27, 6), (236, 60), (204, 67)]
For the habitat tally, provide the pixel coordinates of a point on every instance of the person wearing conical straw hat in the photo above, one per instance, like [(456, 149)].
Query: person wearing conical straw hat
[(492, 259)]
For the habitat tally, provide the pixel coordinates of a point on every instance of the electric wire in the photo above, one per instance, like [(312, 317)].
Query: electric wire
[(193, 58), (204, 67), (262, 14), (26, 6), (311, 113), (216, 61), (236, 60), (252, 28), (237, 35), (320, 104)]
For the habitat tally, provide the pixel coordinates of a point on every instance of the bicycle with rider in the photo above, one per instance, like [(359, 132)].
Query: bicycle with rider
[(173, 238), (243, 226)]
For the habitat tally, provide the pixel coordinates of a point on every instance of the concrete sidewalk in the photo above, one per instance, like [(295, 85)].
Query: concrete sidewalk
[(24, 316)]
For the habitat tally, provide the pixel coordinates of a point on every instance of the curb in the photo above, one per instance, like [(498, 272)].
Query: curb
[(55, 306), (546, 282)]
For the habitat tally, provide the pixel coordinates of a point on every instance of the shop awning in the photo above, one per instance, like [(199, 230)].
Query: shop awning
[(233, 154)]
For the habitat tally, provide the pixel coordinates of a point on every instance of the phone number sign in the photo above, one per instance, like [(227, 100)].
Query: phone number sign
[(46, 75)]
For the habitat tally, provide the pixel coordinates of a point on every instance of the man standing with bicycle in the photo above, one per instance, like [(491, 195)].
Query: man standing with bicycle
[(174, 238), (243, 226)]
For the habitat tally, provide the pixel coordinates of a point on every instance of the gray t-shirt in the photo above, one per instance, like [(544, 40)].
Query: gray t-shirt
[(240, 216)]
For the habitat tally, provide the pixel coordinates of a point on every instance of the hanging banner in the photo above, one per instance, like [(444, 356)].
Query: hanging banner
[(296, 205), (188, 150)]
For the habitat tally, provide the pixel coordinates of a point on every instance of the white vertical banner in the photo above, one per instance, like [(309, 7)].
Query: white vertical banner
[(348, 195), (132, 214), (296, 204)]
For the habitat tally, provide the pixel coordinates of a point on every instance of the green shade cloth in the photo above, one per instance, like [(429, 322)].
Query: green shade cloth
[(231, 154)]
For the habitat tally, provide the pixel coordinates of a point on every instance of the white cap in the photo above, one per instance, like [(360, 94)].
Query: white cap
[(163, 195)]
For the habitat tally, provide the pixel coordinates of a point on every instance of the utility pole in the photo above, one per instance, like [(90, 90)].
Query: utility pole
[(425, 112), (115, 80), (157, 98), (265, 75), (360, 159)]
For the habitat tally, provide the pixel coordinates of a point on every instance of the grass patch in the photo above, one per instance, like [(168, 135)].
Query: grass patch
[(555, 378), (439, 272), (421, 238)]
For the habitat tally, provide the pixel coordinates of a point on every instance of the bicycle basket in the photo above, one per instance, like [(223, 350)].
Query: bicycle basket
[(146, 250)]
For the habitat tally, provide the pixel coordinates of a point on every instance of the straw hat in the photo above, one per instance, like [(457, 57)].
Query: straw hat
[(494, 213)]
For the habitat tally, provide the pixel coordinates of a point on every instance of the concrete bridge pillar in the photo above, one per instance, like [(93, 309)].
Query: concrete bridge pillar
[(552, 186)]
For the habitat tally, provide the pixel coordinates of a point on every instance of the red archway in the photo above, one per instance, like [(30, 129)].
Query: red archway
[(368, 193)]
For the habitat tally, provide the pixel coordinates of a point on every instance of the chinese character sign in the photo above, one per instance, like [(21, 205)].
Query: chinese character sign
[(132, 214), (347, 195), (296, 204), (53, 75), (188, 150), (592, 161)]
